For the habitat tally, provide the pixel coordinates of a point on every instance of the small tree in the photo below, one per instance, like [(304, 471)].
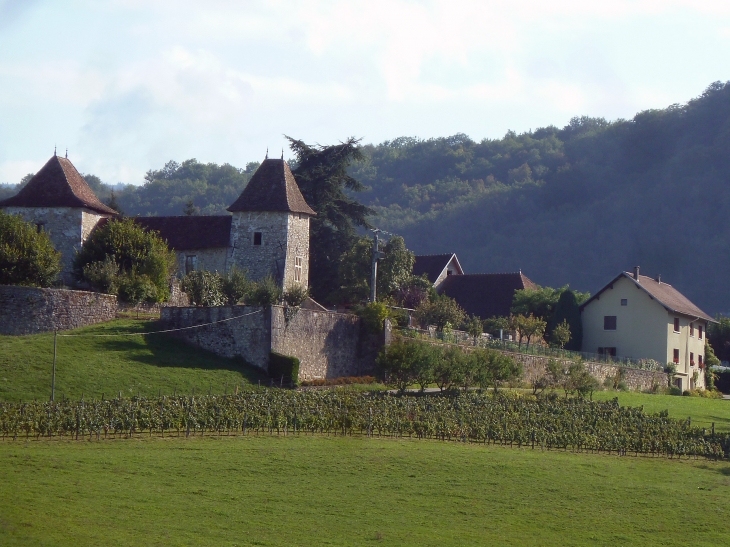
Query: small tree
[(27, 256), (204, 288), (561, 334), (501, 368), (236, 286), (265, 293), (527, 327), (447, 367), (397, 361), (474, 327), (373, 314), (425, 365), (440, 311)]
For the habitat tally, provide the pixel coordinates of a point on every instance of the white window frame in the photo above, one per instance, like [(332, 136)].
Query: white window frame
[(298, 261)]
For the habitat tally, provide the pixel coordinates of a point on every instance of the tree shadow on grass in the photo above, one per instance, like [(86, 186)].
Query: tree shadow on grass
[(163, 350)]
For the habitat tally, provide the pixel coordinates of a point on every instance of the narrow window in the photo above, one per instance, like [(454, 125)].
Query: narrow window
[(676, 324), (257, 237), (699, 361), (676, 356), (692, 329), (699, 332), (691, 359), (40, 227), (191, 263), (609, 322), (624, 302), (298, 269)]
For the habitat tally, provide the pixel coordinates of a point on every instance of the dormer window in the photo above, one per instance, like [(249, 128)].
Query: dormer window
[(257, 238)]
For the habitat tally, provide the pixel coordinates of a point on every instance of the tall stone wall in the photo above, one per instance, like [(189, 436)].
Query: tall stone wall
[(248, 337), (267, 259), (213, 259), (327, 344), (297, 249), (28, 310)]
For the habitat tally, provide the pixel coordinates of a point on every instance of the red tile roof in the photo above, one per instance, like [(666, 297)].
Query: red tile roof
[(272, 188), (485, 295), (666, 295), (191, 232), (432, 265), (58, 184)]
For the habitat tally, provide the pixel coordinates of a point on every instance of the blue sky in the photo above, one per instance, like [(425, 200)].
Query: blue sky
[(127, 85)]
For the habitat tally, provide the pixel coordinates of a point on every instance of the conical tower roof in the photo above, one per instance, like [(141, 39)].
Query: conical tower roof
[(58, 184), (272, 188)]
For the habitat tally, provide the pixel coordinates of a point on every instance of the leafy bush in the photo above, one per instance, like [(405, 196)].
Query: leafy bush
[(204, 288), (373, 314), (439, 311), (284, 367), (236, 286), (27, 256), (295, 295), (142, 257), (103, 275), (265, 293)]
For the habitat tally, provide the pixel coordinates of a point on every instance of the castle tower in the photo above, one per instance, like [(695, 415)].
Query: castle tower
[(59, 201), (270, 227)]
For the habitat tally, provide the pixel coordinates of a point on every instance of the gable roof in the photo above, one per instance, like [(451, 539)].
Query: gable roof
[(272, 188), (57, 184), (190, 232), (666, 295), (433, 265), (485, 295)]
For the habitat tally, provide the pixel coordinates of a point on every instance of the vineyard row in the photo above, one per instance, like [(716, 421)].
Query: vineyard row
[(503, 418)]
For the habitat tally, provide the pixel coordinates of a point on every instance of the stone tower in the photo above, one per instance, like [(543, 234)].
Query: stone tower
[(59, 201), (270, 227)]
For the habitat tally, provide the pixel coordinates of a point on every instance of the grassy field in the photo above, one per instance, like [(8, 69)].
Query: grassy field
[(94, 366), (351, 491), (703, 411)]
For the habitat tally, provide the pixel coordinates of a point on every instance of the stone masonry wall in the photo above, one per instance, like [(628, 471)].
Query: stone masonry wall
[(327, 344), (248, 337), (297, 246), (266, 259), (28, 310), (213, 259)]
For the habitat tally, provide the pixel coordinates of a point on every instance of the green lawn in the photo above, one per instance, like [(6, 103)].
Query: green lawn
[(703, 411), (351, 491), (95, 366)]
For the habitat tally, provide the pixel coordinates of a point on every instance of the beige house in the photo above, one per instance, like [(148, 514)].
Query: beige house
[(641, 317)]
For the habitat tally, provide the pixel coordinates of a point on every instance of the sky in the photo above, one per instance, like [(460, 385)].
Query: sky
[(127, 85)]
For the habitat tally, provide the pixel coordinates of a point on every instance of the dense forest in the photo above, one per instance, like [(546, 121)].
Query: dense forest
[(566, 205)]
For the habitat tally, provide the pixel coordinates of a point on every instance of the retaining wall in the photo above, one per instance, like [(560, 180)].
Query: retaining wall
[(327, 344), (29, 310)]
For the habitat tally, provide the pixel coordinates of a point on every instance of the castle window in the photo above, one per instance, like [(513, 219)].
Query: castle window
[(40, 227), (298, 269), (257, 237), (191, 263)]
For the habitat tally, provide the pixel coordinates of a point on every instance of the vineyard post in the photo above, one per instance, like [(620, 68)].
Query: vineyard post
[(53, 374)]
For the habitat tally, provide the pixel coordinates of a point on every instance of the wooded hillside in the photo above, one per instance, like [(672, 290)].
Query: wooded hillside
[(573, 205)]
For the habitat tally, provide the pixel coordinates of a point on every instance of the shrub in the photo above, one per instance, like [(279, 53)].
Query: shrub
[(373, 314), (674, 390), (136, 288), (204, 288), (439, 311), (103, 275), (397, 361), (284, 367), (142, 257), (295, 295), (27, 256), (265, 293), (236, 286)]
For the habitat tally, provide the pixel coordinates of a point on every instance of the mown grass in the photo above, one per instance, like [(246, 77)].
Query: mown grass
[(351, 491), (702, 411), (93, 367)]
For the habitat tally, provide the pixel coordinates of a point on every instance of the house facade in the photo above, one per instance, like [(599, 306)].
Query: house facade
[(266, 234), (641, 317)]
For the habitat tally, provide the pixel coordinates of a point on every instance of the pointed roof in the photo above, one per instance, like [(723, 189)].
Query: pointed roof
[(485, 295), (58, 184), (434, 265), (666, 295), (272, 188)]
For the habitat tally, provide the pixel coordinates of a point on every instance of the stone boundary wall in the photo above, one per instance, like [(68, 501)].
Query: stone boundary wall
[(327, 344), (29, 310), (248, 337)]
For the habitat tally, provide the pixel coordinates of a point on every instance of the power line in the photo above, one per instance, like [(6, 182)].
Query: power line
[(159, 331)]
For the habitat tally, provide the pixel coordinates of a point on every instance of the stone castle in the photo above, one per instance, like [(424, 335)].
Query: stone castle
[(266, 234)]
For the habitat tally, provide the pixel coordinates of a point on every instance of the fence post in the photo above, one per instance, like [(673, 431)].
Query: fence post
[(53, 375)]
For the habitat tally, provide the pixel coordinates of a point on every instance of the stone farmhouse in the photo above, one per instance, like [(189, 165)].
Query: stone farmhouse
[(483, 295), (643, 317), (267, 232)]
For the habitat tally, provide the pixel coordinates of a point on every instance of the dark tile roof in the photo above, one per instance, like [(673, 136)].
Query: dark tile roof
[(666, 295), (57, 184), (431, 265), (485, 295), (272, 188), (191, 232)]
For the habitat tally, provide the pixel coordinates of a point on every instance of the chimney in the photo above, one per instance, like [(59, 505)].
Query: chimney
[(659, 278), (636, 273)]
